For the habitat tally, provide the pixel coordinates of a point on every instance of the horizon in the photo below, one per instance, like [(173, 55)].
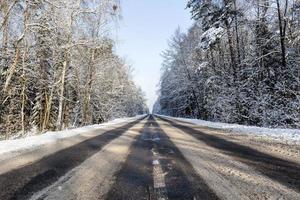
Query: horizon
[(144, 54)]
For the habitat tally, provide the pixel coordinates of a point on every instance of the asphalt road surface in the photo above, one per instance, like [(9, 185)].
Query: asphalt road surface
[(155, 158)]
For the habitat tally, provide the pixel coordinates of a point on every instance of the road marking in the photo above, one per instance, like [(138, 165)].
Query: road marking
[(159, 185), (160, 190), (158, 175)]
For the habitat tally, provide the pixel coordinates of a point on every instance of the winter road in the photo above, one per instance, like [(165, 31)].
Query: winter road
[(154, 158)]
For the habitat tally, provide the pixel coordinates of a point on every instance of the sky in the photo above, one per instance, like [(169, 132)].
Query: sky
[(143, 33)]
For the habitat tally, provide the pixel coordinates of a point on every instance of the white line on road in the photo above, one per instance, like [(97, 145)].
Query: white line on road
[(158, 175), (159, 185)]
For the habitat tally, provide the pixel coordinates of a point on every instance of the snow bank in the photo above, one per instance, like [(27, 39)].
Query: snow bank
[(289, 135), (15, 145)]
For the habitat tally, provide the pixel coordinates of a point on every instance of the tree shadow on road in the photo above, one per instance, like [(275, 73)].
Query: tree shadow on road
[(280, 170), (22, 183)]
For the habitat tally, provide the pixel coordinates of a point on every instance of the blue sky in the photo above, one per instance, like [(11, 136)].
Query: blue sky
[(143, 34)]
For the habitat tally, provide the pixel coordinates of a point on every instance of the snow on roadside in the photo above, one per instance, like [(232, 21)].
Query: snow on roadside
[(15, 145), (288, 135)]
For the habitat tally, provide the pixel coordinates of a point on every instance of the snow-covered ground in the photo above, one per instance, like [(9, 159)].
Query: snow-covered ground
[(288, 135), (9, 146)]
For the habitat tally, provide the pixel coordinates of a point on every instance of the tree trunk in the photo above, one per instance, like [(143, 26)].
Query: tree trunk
[(237, 33), (231, 50), (23, 93), (88, 89), (61, 95), (282, 30)]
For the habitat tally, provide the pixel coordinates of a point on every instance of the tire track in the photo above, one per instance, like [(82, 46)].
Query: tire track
[(175, 178), (134, 179), (182, 181), (285, 172), (24, 182)]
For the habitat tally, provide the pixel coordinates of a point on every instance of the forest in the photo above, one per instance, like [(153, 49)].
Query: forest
[(58, 66), (238, 63)]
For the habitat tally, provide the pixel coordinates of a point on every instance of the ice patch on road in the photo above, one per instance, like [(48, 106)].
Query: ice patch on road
[(16, 145), (289, 135)]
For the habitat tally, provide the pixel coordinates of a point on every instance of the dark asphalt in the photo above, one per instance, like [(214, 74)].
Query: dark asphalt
[(21, 183), (135, 181), (280, 170)]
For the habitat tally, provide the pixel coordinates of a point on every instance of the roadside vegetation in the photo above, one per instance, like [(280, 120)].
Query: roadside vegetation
[(58, 66), (238, 63)]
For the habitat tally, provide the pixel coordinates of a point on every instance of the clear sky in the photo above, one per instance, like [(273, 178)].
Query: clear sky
[(143, 33)]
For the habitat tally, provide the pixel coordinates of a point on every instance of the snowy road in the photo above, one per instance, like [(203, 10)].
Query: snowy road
[(155, 158)]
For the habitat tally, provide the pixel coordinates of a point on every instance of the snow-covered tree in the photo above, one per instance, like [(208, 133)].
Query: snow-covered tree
[(243, 60), (58, 66)]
